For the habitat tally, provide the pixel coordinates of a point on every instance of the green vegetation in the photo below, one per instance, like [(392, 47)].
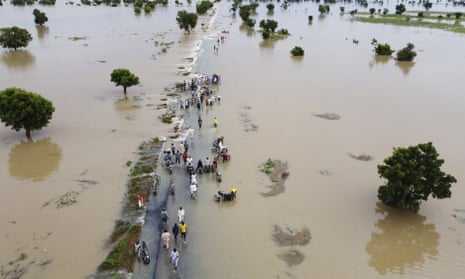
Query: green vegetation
[(381, 49), (267, 167), (413, 174), (47, 2), (428, 20), (14, 37), (269, 25), (127, 231), (407, 53), (24, 110), (323, 9), (186, 20), (297, 51), (400, 9), (124, 78), (203, 6), (310, 19), (270, 7), (39, 17)]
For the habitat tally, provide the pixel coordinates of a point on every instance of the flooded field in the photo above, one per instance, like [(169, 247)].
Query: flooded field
[(268, 110)]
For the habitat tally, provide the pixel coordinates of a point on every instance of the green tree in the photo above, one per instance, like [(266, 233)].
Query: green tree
[(14, 37), (24, 110), (203, 6), (413, 174), (407, 53), (323, 9), (310, 19), (297, 51), (269, 25), (381, 49), (270, 7), (400, 9), (186, 20), (244, 12), (372, 11), (39, 17), (124, 78)]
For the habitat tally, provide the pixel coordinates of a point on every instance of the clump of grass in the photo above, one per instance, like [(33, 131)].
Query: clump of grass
[(122, 255), (128, 163), (267, 167)]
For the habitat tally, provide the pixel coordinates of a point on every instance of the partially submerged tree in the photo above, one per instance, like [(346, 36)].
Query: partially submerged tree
[(407, 53), (24, 110), (39, 17), (269, 25), (413, 174), (124, 78), (270, 8), (400, 9), (297, 51), (203, 6), (14, 37), (381, 49), (323, 9), (186, 20)]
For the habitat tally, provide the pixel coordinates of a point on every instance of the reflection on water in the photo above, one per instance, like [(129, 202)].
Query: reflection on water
[(42, 31), (34, 160), (379, 59), (127, 107), (247, 30), (267, 44), (18, 59), (401, 242), (405, 66)]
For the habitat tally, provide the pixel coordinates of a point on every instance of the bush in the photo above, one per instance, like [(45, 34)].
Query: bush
[(203, 7), (265, 34), (297, 51), (381, 49), (407, 53)]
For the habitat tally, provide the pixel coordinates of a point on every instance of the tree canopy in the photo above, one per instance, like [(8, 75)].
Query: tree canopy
[(124, 78), (14, 37), (186, 20), (24, 110), (39, 17), (269, 25), (413, 174), (203, 6), (407, 53)]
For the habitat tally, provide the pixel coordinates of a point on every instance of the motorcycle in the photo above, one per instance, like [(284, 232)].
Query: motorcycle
[(225, 196), (143, 252)]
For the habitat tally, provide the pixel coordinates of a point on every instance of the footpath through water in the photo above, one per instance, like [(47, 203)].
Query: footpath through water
[(199, 143)]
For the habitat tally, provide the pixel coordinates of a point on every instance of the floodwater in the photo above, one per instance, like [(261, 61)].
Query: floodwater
[(94, 132)]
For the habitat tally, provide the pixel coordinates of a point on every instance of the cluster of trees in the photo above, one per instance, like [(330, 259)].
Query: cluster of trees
[(245, 11), (268, 26), (31, 2), (405, 54)]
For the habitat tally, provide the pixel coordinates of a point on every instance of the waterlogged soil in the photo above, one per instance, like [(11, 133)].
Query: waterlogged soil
[(278, 175)]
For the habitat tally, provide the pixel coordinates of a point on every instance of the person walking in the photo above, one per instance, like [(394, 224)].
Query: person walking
[(164, 217), (181, 214), (174, 258), (178, 157), (200, 122), (215, 122), (165, 237), (175, 231), (183, 230)]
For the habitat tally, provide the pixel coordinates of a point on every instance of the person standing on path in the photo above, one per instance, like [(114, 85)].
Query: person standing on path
[(175, 231), (165, 237), (183, 230), (178, 157), (181, 213), (174, 258)]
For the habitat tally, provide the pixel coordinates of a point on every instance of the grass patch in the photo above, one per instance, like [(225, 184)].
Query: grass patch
[(414, 21), (127, 230), (267, 167)]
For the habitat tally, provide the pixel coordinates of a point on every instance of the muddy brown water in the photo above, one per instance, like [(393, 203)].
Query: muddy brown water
[(94, 132)]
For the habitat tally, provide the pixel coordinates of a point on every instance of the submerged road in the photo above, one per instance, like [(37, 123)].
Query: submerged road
[(199, 148)]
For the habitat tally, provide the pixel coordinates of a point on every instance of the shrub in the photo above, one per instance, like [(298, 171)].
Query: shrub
[(297, 51), (407, 53), (203, 7)]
